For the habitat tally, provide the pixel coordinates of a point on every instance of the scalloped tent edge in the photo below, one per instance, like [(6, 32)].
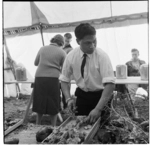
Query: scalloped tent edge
[(40, 19)]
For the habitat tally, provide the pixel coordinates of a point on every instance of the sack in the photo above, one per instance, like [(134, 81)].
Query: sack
[(43, 133)]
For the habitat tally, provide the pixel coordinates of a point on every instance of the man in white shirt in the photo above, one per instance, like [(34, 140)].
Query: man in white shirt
[(92, 72)]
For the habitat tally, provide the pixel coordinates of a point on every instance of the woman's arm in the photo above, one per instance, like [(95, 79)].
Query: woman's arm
[(62, 61), (66, 89), (37, 59)]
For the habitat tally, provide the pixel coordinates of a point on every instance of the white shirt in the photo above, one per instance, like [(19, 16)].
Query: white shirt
[(97, 71)]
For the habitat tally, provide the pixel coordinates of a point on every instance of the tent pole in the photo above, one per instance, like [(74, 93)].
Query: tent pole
[(111, 8), (41, 33)]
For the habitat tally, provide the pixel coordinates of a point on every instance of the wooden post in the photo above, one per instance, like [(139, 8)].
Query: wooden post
[(13, 127), (41, 33), (28, 107)]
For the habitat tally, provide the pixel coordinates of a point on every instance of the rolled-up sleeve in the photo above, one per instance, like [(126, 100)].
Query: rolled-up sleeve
[(106, 70), (66, 71)]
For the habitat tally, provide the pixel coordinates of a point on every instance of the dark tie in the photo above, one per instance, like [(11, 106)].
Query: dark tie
[(83, 64)]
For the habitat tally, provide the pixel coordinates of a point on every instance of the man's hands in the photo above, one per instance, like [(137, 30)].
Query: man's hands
[(94, 115), (105, 97), (71, 104)]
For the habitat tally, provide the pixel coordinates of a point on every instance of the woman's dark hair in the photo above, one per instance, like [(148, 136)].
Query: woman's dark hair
[(58, 42), (83, 30)]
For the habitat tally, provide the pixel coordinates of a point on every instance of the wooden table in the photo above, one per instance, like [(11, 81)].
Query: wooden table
[(131, 80)]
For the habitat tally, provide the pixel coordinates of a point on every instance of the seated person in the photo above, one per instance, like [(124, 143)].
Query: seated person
[(133, 67)]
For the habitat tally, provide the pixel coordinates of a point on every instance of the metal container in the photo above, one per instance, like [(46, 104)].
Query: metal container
[(144, 71), (121, 71), (21, 74)]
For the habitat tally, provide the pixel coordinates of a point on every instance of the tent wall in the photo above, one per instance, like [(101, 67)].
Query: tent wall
[(117, 42), (11, 90)]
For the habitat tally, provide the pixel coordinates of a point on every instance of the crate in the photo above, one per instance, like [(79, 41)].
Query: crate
[(90, 133)]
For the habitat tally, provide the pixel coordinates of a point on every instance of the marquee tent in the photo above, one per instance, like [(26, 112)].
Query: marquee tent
[(24, 17), (121, 26)]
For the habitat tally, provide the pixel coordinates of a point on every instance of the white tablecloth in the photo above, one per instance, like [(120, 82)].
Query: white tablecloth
[(129, 80)]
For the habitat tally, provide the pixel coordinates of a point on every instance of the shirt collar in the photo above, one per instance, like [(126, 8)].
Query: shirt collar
[(67, 46), (81, 54), (53, 44), (136, 61)]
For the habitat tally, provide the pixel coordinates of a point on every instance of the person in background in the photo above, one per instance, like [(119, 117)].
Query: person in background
[(93, 74), (133, 67), (67, 47), (46, 99)]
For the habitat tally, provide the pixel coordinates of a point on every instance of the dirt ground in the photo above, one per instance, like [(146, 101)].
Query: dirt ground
[(14, 109)]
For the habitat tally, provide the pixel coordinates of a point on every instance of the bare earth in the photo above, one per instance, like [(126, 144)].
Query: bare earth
[(15, 109)]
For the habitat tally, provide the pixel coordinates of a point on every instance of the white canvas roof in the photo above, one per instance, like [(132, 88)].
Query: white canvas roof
[(24, 17)]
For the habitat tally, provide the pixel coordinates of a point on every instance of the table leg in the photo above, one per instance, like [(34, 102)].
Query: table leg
[(60, 117), (129, 106)]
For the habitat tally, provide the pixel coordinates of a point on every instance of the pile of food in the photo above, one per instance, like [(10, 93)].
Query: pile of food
[(74, 132), (124, 129)]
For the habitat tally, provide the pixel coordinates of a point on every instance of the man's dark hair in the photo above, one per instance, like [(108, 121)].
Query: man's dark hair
[(134, 49), (68, 35), (83, 30)]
